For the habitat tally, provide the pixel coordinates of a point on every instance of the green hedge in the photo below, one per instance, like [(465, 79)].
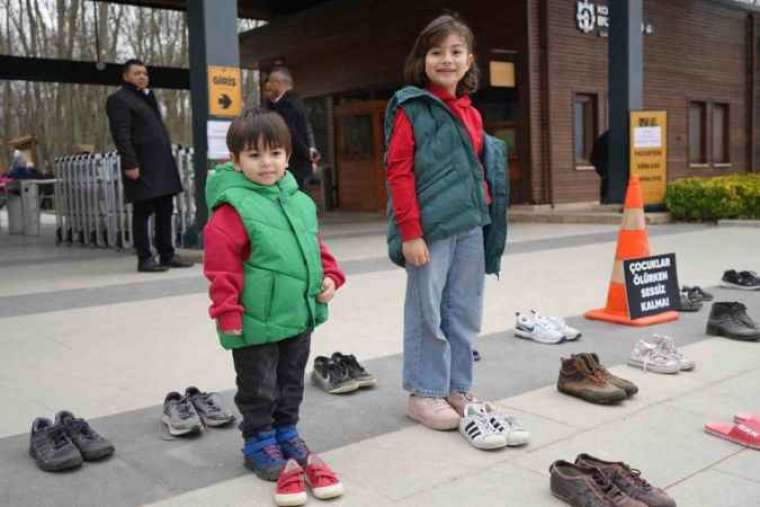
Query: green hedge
[(735, 196)]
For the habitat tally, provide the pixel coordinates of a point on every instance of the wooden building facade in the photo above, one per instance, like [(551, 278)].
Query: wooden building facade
[(544, 84)]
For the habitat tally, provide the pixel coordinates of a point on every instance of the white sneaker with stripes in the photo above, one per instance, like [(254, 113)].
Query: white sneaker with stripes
[(477, 429), (507, 425)]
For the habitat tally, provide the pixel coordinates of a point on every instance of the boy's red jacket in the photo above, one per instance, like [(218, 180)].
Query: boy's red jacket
[(400, 165), (226, 248)]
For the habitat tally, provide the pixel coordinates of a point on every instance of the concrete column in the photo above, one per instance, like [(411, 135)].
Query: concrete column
[(626, 85), (213, 41)]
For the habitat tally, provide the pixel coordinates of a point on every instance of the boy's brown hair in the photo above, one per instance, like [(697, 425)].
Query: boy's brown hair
[(434, 33), (256, 126)]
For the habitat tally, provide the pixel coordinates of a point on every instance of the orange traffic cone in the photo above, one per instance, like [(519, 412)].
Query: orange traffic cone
[(633, 243)]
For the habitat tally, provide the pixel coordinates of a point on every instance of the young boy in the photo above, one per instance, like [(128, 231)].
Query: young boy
[(270, 281)]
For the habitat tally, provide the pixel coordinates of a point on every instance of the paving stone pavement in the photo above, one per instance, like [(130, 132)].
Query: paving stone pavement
[(80, 330)]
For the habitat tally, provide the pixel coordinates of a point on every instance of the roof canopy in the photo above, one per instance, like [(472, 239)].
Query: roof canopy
[(253, 9)]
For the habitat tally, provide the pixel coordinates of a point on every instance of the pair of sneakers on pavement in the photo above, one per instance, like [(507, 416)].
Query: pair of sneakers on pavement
[(189, 414), (281, 455), (544, 328), (486, 427), (659, 355), (340, 374), (480, 423), (66, 443)]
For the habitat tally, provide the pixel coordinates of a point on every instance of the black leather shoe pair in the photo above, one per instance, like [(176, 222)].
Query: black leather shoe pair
[(151, 266)]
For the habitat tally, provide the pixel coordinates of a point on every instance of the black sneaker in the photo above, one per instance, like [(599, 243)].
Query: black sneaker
[(730, 319), (332, 377), (177, 262), (687, 304), (51, 447), (355, 370), (90, 443), (150, 265), (697, 294), (743, 280), (209, 407)]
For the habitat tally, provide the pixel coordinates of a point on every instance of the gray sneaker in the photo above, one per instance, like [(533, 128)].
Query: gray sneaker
[(649, 357), (180, 416), (51, 447), (209, 407)]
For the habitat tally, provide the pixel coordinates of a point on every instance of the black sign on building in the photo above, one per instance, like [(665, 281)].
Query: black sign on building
[(651, 285)]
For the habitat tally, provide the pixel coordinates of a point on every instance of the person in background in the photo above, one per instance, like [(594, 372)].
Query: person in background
[(280, 97), (149, 171), (600, 159)]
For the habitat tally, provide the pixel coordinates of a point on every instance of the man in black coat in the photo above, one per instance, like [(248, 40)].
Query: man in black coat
[(278, 91), (600, 159), (149, 172)]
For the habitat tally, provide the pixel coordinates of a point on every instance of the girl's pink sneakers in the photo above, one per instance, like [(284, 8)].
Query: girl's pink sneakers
[(291, 488)]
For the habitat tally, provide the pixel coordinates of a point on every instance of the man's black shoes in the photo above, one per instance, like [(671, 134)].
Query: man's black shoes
[(177, 262), (150, 265)]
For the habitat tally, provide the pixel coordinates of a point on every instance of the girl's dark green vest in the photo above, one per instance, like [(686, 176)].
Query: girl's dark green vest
[(449, 177), (283, 274)]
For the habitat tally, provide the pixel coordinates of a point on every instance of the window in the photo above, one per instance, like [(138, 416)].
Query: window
[(584, 127), (697, 133), (720, 134)]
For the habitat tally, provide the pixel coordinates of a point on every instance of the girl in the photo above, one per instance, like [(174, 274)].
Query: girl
[(448, 198)]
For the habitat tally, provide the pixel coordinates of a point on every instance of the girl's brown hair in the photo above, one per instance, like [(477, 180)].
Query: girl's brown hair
[(258, 126), (433, 34)]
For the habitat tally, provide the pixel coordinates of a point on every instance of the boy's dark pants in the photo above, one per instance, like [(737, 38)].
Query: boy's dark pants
[(270, 381)]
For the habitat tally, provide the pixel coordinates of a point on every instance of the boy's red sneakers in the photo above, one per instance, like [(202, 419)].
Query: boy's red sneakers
[(291, 489), (322, 480)]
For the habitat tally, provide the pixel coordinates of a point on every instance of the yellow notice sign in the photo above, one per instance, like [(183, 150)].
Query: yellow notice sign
[(649, 153), (224, 95)]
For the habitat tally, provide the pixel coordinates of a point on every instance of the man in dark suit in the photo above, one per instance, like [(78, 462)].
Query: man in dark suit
[(278, 92), (149, 172)]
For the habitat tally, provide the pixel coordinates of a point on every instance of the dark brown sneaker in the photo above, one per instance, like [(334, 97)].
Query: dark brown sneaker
[(577, 379), (582, 486), (628, 480), (592, 360)]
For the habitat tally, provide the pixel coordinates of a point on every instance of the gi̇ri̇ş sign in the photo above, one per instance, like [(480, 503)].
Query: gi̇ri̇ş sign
[(651, 285)]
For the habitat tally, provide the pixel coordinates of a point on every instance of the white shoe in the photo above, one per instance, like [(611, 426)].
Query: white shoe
[(558, 323), (650, 357), (668, 346), (477, 429), (541, 331), (506, 425)]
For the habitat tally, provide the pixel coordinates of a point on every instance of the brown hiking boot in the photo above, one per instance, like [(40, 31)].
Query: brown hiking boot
[(628, 480), (577, 379), (586, 487), (592, 360)]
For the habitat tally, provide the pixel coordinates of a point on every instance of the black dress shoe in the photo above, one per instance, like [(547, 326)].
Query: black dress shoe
[(177, 262), (151, 266)]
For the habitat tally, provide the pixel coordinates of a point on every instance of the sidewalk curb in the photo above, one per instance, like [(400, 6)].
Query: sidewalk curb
[(739, 223)]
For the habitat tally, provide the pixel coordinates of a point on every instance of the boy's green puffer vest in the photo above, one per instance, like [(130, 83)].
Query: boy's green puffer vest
[(449, 178), (283, 274)]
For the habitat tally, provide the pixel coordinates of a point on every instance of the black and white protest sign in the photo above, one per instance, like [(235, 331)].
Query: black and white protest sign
[(651, 285)]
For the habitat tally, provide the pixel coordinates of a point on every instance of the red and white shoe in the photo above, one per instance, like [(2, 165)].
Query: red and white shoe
[(321, 479), (744, 417), (745, 433), (291, 487)]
